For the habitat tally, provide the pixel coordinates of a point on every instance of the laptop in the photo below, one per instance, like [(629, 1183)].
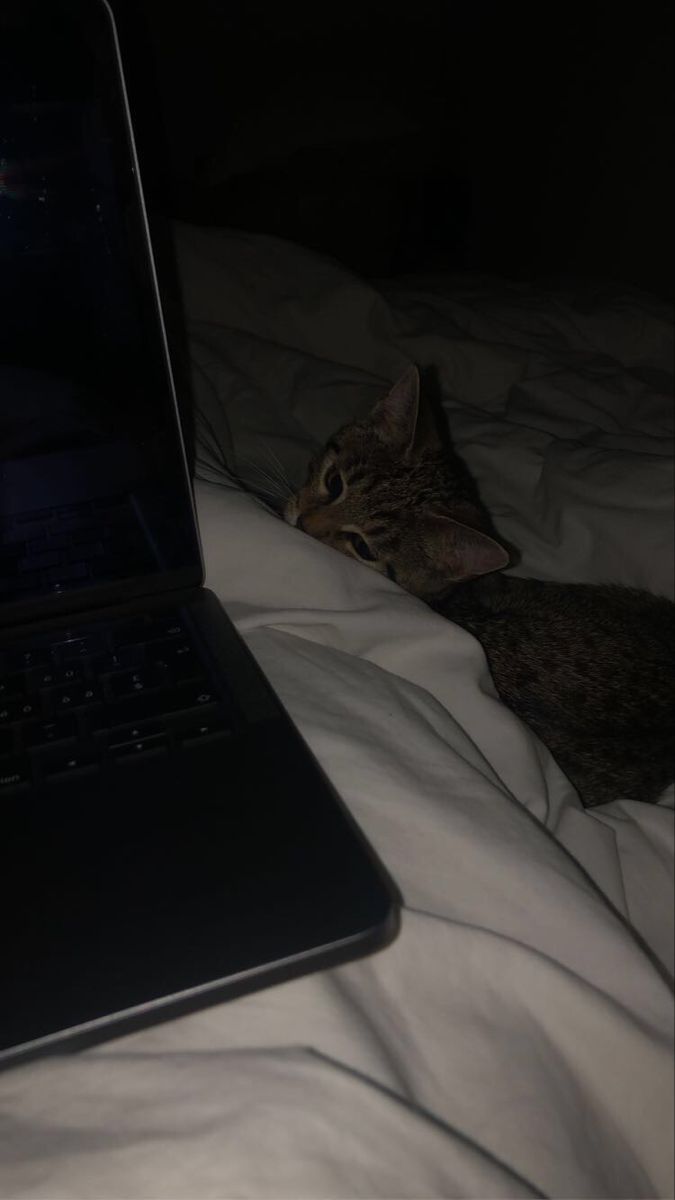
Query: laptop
[(168, 840)]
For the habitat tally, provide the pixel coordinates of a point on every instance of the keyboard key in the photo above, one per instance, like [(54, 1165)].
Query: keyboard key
[(129, 683), (130, 632), (45, 733), (11, 685), (132, 655), (138, 748), (132, 733), (195, 695), (178, 657), (197, 733), (20, 709), (23, 660), (70, 674), (52, 676), (42, 677), (165, 627), (186, 668), (6, 742), (145, 705), (169, 649), (28, 707), (15, 774), (63, 699), (77, 647), (74, 647), (112, 661), (61, 763)]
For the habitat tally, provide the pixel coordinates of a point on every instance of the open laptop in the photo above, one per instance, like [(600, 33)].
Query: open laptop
[(167, 838)]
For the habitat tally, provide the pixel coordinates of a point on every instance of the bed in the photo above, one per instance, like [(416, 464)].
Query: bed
[(517, 1038)]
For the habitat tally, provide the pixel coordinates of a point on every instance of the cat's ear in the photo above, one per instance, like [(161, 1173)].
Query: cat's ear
[(402, 420), (394, 417), (462, 552)]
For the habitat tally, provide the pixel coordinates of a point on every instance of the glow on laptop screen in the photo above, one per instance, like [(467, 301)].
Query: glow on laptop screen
[(92, 486)]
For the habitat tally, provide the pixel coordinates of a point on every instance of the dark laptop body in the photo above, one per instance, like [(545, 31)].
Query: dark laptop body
[(167, 838)]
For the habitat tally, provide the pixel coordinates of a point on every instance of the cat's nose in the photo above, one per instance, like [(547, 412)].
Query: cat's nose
[(315, 522)]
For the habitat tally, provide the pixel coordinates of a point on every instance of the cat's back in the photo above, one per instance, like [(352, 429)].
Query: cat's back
[(587, 643), (590, 669), (577, 615)]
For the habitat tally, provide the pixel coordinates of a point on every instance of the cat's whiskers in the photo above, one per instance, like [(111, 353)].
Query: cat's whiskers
[(270, 485), (278, 469), (208, 441), (260, 482)]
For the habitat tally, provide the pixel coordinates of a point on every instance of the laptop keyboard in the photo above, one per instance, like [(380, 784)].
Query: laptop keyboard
[(118, 693), (71, 546)]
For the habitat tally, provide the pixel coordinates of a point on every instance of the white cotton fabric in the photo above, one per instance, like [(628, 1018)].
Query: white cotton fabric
[(517, 1038)]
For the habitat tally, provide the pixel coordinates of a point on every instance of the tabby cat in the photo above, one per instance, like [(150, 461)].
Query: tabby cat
[(588, 667)]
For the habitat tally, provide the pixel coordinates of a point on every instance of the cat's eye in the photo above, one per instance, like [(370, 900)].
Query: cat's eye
[(332, 481), (362, 548)]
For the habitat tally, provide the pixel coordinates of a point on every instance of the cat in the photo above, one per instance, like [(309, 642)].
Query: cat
[(589, 667)]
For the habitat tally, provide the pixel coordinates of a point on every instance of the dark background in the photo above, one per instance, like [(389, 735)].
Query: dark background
[(526, 140)]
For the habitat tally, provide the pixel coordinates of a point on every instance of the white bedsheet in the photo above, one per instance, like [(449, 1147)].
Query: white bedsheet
[(517, 1039)]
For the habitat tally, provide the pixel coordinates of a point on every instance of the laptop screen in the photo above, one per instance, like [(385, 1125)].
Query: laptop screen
[(93, 486)]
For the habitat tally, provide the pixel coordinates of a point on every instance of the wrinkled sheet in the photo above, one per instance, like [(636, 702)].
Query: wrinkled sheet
[(517, 1038)]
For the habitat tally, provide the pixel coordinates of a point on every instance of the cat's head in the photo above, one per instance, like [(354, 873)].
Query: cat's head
[(388, 493)]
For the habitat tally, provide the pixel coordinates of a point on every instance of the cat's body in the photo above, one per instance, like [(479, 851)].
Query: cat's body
[(589, 668)]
